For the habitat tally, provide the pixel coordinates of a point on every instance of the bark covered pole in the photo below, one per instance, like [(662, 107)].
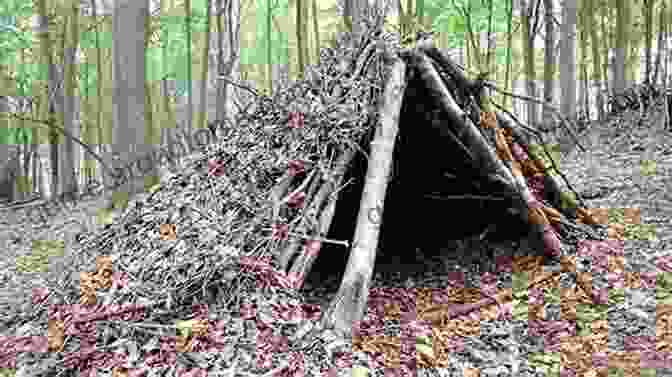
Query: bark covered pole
[(349, 304), (461, 130), (304, 261)]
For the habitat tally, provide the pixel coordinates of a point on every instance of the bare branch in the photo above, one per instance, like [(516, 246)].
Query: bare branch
[(547, 105)]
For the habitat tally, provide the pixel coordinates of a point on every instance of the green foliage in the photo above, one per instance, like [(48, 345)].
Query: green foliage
[(648, 167), (446, 18), (631, 231), (15, 136), (537, 151), (548, 362), (38, 259), (279, 40), (568, 200), (519, 291), (616, 296), (664, 288), (587, 314)]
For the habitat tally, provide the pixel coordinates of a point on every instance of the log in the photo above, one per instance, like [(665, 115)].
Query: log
[(348, 306), (427, 47), (483, 162), (552, 190), (304, 261)]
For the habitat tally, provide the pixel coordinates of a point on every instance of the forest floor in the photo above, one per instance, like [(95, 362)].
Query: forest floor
[(627, 166)]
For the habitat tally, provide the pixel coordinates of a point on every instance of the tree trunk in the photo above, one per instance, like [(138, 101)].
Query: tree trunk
[(101, 119), (596, 57), (152, 132), (605, 42), (316, 30), (568, 60), (203, 105), (6, 181), (190, 98), (528, 51), (300, 48), (347, 13), (359, 8), (660, 43), (68, 174), (549, 61), (509, 47), (269, 57), (54, 103), (621, 47), (585, 94), (130, 140), (229, 10), (648, 25)]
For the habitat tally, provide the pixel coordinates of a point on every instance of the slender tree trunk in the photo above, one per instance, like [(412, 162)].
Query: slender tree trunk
[(102, 140), (55, 100), (152, 133), (568, 60), (509, 47), (299, 36), (6, 153), (131, 142), (621, 47), (221, 84), (68, 175), (269, 35), (316, 30), (585, 94), (648, 25), (549, 60), (202, 111), (170, 120), (660, 43), (229, 12), (26, 146), (605, 43), (491, 40), (596, 57), (190, 97), (347, 14), (528, 51), (358, 11)]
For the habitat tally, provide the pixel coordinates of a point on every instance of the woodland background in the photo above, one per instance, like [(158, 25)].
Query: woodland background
[(75, 65)]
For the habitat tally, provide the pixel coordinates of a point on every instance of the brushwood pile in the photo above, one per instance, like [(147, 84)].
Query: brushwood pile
[(203, 244)]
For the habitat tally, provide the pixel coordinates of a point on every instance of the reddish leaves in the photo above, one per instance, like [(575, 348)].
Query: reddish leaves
[(295, 120)]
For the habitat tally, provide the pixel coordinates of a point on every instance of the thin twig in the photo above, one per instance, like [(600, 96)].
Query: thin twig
[(547, 105), (241, 86)]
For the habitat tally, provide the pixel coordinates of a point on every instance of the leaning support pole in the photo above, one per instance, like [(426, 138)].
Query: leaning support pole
[(459, 127), (348, 306), (326, 194)]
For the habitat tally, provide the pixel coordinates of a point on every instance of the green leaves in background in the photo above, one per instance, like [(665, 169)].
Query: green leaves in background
[(548, 362), (12, 38), (279, 41), (15, 136), (38, 259), (648, 167), (664, 288), (447, 18), (644, 232)]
